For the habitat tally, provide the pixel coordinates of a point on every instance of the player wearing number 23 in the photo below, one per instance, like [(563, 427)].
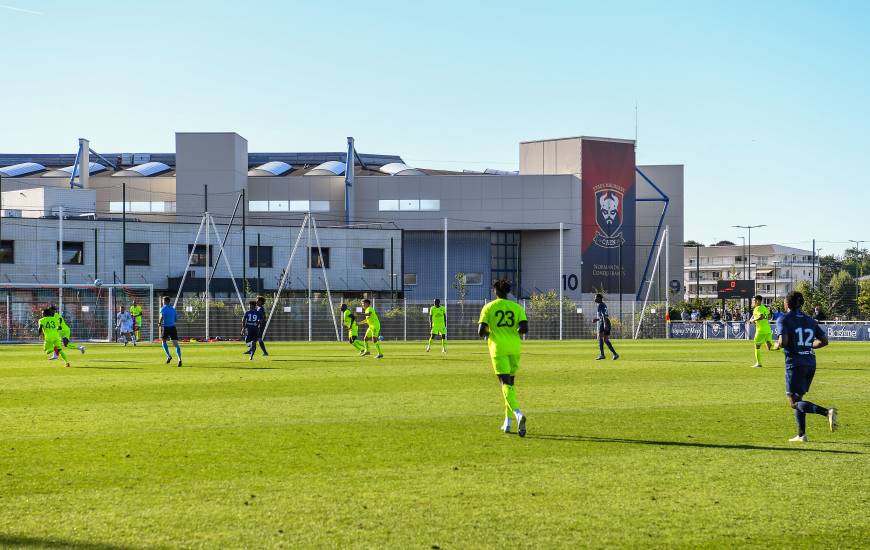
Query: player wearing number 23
[(799, 337), (501, 322)]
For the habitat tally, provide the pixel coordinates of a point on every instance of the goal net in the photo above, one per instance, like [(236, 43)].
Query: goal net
[(89, 310)]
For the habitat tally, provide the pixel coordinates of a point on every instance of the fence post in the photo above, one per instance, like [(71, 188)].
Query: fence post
[(151, 312), (633, 306), (405, 319)]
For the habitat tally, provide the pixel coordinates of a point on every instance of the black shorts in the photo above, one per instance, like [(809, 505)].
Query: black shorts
[(169, 333), (252, 334), (604, 328)]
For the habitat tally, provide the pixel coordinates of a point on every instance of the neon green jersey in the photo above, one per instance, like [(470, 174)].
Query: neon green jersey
[(347, 318), (136, 312), (372, 318), (438, 314), (761, 315), (62, 326), (49, 328), (503, 319)]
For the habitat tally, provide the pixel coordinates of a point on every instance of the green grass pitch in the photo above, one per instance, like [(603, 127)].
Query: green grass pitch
[(677, 444)]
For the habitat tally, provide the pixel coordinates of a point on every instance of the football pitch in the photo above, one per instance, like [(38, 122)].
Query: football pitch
[(677, 444)]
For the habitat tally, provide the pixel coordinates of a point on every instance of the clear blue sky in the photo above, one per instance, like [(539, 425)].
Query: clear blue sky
[(766, 103)]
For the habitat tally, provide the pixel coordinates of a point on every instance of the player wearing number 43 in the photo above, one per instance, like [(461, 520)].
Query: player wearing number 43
[(763, 333), (501, 323), (799, 337)]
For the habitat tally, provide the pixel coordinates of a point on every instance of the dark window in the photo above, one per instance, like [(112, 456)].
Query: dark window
[(199, 254), (259, 256), (137, 253), (410, 279), (73, 253), (317, 260), (373, 258), (505, 257), (7, 252)]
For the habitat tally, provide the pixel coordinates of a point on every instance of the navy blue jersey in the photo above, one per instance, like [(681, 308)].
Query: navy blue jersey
[(252, 318), (801, 330), (603, 317), (261, 315)]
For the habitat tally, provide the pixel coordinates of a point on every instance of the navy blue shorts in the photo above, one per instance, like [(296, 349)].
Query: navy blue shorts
[(252, 334), (798, 379)]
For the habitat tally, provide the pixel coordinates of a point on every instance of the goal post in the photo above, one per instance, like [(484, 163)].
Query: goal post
[(88, 309)]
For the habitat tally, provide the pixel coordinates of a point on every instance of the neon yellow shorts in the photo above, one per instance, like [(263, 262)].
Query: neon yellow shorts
[(49, 345), (763, 336), (372, 332), (439, 329), (353, 332), (506, 364)]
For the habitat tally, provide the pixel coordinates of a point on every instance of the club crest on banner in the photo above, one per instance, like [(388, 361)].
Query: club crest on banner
[(609, 201)]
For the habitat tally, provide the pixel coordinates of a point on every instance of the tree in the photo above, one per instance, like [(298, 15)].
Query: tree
[(461, 287), (724, 243), (692, 243), (864, 299), (843, 294)]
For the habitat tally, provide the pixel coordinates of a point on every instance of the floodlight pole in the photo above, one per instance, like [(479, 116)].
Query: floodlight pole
[(207, 271), (60, 258), (445, 263), (561, 273)]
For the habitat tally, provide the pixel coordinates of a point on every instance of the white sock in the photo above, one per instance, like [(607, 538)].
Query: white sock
[(518, 413)]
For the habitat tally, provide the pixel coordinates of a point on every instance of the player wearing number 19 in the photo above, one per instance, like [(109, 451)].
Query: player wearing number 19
[(799, 337), (501, 322)]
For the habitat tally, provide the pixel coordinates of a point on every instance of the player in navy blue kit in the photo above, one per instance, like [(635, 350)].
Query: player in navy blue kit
[(799, 337), (603, 321), (251, 327)]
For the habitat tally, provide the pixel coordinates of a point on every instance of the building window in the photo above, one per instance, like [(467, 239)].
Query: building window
[(258, 206), (309, 206), (319, 257), (137, 253), (373, 258), (279, 206), (472, 279), (410, 279), (198, 259), (393, 205), (259, 256), (73, 253), (7, 252), (505, 256), (142, 206)]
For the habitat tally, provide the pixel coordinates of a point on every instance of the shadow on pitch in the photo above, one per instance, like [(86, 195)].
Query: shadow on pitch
[(110, 368), (738, 447), (15, 541)]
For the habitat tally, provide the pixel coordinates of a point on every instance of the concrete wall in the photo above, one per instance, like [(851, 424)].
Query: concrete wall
[(550, 157), (669, 178), (219, 160), (35, 256)]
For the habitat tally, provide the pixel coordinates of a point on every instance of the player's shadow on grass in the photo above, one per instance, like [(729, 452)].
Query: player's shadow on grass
[(16, 541), (111, 368), (738, 447)]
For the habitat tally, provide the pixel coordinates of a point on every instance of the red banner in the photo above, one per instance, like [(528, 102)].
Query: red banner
[(607, 251)]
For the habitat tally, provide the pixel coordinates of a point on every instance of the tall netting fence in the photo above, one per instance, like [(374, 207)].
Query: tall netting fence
[(89, 310), (297, 319)]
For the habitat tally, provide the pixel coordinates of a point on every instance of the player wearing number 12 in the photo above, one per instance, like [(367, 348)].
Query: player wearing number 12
[(501, 322), (799, 337)]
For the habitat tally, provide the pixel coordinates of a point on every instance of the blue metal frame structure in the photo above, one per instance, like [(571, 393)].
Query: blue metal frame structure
[(665, 199)]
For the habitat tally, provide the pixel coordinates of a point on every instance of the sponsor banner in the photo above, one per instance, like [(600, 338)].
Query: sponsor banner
[(715, 330), (735, 330), (686, 329), (608, 216), (855, 332)]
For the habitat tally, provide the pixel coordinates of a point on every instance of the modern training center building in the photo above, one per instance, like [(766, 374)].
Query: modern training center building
[(134, 217)]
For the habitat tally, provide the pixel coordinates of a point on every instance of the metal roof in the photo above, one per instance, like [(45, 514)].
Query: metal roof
[(328, 168), (65, 172), (400, 169), (143, 170), (271, 169), (21, 169)]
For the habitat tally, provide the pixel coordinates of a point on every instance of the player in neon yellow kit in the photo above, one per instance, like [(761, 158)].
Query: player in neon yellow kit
[(763, 333), (51, 335), (65, 331), (352, 328), (438, 323), (136, 312), (373, 332), (502, 321)]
